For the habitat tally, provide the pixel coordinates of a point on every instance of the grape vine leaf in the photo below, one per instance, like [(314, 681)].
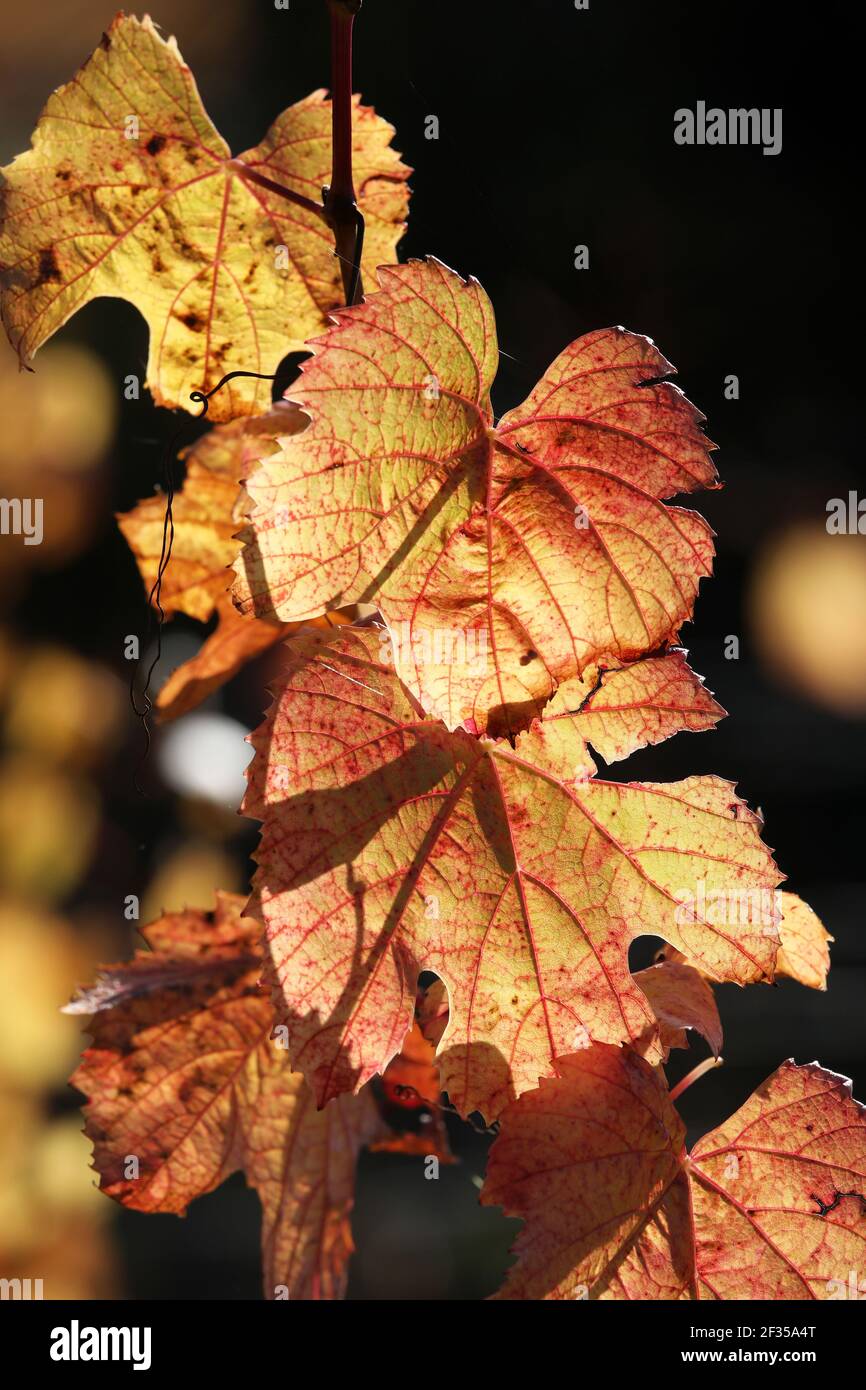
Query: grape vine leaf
[(206, 513), (412, 1078), (505, 559), (129, 190), (804, 944), (233, 642), (768, 1206), (681, 999), (184, 1074), (411, 1083), (804, 947), (391, 846), (621, 710)]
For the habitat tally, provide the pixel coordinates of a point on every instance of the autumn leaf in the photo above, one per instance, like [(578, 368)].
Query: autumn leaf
[(505, 559), (391, 847), (412, 1078), (768, 1206), (129, 190), (622, 710), (233, 642), (681, 999), (206, 511), (804, 944), (185, 1076), (804, 949), (412, 1085), (431, 1012)]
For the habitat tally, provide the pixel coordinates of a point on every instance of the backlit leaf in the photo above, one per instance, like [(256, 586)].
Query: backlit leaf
[(411, 1085), (185, 1076), (768, 1206), (804, 947), (129, 190), (681, 999), (505, 559), (804, 943), (622, 710), (234, 641), (206, 511), (391, 846)]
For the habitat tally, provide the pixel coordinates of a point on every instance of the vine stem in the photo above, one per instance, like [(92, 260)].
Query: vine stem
[(706, 1065), (341, 209), (339, 205)]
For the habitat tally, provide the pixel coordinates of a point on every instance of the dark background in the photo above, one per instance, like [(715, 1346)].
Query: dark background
[(556, 128)]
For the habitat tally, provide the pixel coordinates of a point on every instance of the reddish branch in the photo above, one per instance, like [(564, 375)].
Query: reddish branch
[(341, 208)]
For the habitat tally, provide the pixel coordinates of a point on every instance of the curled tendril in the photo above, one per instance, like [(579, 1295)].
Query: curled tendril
[(203, 397)]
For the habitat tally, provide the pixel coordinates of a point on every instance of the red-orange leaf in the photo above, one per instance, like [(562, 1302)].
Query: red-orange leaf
[(412, 1078), (768, 1206), (412, 1086), (505, 559), (185, 1077), (391, 846), (234, 642)]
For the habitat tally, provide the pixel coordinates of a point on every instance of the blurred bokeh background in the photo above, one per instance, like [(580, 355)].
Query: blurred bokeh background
[(555, 129)]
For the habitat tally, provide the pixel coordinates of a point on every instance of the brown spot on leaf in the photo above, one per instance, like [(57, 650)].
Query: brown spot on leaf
[(188, 1086), (48, 267), (193, 321), (155, 144)]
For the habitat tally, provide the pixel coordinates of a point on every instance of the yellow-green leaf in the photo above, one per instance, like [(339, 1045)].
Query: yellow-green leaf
[(130, 191)]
